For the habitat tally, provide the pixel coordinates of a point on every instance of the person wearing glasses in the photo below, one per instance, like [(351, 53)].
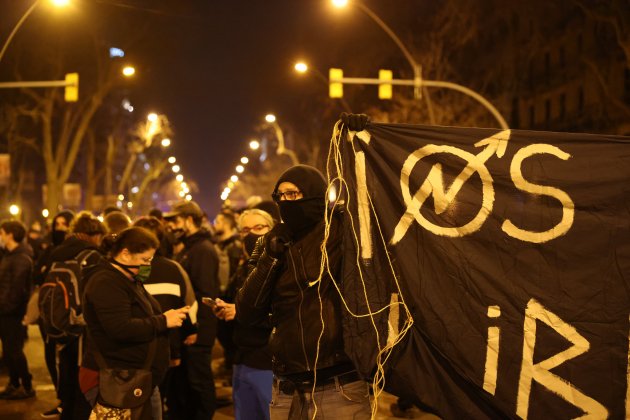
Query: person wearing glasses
[(125, 323), (310, 365), (252, 377)]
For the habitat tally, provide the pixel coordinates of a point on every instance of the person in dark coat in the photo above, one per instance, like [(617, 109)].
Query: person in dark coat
[(86, 233), (252, 377), (124, 321), (170, 286), (59, 228), (309, 361), (199, 259), (15, 286)]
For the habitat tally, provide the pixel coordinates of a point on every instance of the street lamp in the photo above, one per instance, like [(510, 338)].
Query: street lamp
[(166, 142), (176, 168), (152, 117), (179, 177), (244, 160), (128, 71), (172, 160), (254, 144), (271, 119), (14, 209), (301, 67), (240, 169), (234, 178), (56, 3)]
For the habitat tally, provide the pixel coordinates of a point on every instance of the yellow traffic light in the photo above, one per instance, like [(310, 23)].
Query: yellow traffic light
[(385, 89), (335, 88), (72, 87)]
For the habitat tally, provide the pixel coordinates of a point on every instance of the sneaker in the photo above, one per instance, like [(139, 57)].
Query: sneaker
[(10, 389), (51, 414), (20, 393)]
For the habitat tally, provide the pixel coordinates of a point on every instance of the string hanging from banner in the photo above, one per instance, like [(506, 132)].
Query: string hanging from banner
[(384, 351)]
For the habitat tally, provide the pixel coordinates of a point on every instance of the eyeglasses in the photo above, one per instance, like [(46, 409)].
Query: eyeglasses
[(287, 195), (256, 229)]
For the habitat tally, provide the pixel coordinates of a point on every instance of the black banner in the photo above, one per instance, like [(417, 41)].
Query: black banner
[(500, 263)]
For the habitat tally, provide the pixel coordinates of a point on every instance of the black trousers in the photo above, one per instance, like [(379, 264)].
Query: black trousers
[(50, 355), (12, 336), (191, 392), (73, 403)]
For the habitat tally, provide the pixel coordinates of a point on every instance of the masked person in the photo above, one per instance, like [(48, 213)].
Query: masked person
[(309, 362), (194, 378), (126, 326), (59, 228), (252, 377)]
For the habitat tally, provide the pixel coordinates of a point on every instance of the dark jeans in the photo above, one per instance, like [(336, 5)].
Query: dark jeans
[(192, 394), (50, 355), (73, 403), (225, 331), (12, 336)]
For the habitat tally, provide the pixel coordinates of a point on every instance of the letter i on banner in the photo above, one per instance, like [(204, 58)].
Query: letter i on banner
[(492, 353)]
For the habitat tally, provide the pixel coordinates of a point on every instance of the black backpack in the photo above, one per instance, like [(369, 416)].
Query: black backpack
[(60, 297)]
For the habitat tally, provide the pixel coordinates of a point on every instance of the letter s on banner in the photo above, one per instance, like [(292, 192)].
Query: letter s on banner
[(568, 207)]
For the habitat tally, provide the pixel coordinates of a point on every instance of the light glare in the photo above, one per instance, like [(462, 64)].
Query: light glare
[(234, 178), (244, 160), (254, 145), (240, 169), (172, 160), (166, 142), (340, 3), (270, 118), (176, 168), (128, 71), (301, 67), (14, 209)]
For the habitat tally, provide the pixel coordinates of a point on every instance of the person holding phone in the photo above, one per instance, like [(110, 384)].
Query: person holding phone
[(252, 377)]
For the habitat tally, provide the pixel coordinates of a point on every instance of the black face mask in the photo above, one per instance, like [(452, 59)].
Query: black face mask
[(300, 215), (178, 235), (249, 242), (58, 236)]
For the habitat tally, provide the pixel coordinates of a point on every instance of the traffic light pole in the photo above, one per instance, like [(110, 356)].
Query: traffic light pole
[(71, 83), (419, 83)]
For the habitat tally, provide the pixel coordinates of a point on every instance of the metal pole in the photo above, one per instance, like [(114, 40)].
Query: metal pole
[(429, 83), (17, 26), (281, 150)]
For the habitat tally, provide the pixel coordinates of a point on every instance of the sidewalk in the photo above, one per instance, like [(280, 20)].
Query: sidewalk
[(30, 409)]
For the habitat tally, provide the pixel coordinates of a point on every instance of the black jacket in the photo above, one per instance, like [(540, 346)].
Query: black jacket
[(200, 260), (15, 280), (122, 320), (252, 341), (287, 288), (170, 287)]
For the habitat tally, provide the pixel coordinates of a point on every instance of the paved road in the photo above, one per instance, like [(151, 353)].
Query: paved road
[(46, 399)]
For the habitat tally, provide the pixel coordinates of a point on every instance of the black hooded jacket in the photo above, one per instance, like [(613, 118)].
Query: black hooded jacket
[(199, 259), (15, 281), (306, 313)]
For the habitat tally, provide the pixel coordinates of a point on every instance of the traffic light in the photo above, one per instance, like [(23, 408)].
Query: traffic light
[(385, 89), (335, 88), (72, 87)]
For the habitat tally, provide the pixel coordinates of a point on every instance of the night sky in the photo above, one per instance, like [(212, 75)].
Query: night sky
[(216, 67)]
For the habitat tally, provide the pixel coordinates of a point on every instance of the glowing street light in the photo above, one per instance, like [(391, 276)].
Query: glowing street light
[(301, 67), (14, 209), (152, 117), (166, 142), (244, 160), (121, 197), (182, 194), (270, 118), (60, 3), (188, 197), (45, 213), (234, 178), (240, 169), (254, 144), (172, 160), (176, 168), (230, 184), (179, 177), (129, 205), (340, 3), (128, 71)]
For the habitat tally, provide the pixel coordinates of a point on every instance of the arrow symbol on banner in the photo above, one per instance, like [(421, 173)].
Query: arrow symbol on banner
[(434, 182), (494, 144)]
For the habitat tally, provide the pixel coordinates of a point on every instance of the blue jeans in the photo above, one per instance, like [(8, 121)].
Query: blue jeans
[(251, 390), (340, 402)]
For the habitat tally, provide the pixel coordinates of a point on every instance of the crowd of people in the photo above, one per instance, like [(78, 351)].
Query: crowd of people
[(158, 291)]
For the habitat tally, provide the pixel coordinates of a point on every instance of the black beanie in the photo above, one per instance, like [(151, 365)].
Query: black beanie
[(308, 179), (66, 214)]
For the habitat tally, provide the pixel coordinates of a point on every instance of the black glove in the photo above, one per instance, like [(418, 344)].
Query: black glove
[(277, 240), (354, 122)]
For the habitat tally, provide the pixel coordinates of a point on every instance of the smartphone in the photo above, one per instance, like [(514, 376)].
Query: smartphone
[(209, 301)]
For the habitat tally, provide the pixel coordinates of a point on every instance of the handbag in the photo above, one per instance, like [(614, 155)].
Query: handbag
[(125, 388)]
